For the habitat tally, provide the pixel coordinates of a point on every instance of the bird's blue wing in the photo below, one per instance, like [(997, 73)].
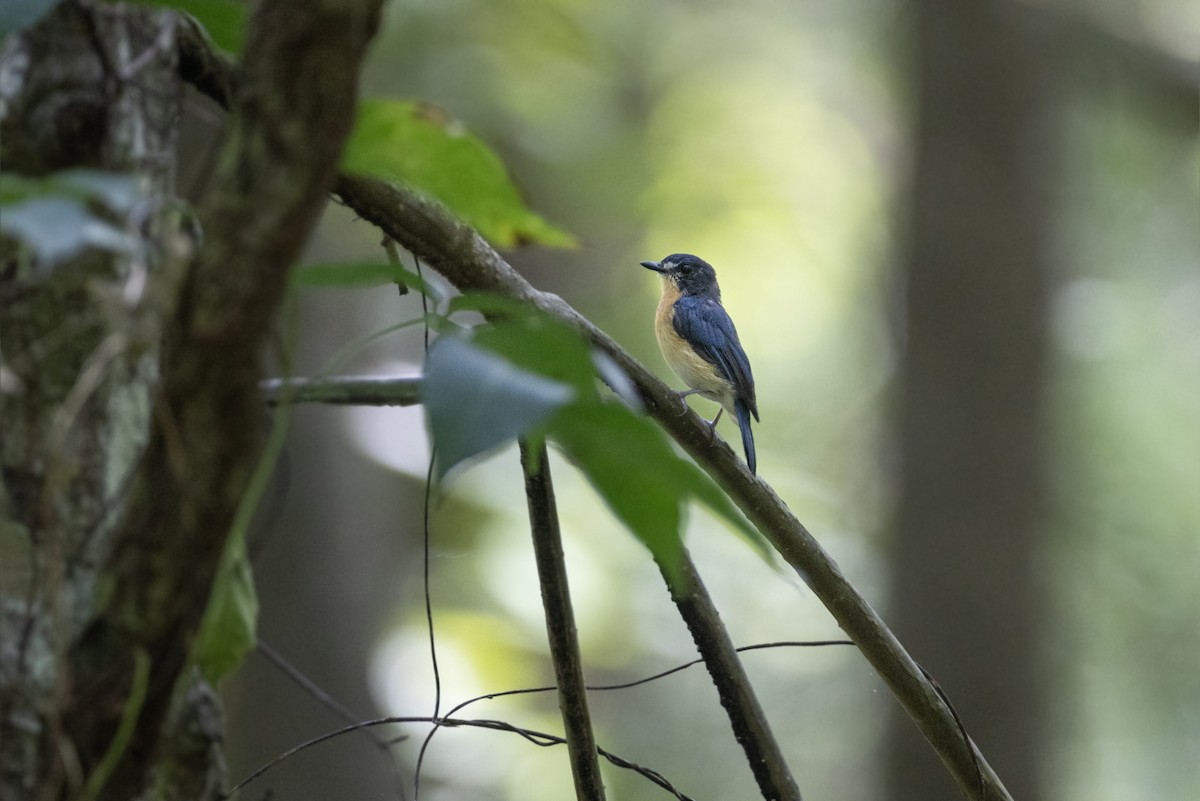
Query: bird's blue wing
[(704, 323)]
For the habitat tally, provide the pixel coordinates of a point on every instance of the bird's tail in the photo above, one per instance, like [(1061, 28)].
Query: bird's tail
[(742, 410)]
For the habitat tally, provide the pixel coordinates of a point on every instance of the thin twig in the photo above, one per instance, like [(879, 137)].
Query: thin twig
[(536, 737), (625, 685), (343, 389), (393, 254), (560, 622), (338, 708)]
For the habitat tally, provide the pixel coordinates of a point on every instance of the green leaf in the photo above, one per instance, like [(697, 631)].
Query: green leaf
[(621, 457), (16, 15), (690, 479), (418, 145), (228, 631), (15, 188), (225, 20), (603, 438), (534, 341), (476, 401), (490, 304)]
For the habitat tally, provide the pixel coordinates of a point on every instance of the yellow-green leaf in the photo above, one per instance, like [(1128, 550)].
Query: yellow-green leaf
[(419, 145)]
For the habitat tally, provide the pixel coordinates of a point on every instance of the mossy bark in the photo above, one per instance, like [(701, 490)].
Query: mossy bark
[(130, 405)]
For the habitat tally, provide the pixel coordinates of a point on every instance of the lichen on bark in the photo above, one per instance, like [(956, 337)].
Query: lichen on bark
[(129, 395)]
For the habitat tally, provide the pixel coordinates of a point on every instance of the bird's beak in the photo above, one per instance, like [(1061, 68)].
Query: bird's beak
[(653, 265)]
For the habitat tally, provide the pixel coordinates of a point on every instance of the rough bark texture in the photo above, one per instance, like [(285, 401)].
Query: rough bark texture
[(967, 599), (121, 484), (79, 344)]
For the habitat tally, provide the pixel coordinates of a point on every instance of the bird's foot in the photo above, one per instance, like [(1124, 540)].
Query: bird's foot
[(712, 425), (683, 399)]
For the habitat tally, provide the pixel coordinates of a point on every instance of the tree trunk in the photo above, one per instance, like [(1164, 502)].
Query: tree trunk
[(966, 597), (81, 358), (129, 386)]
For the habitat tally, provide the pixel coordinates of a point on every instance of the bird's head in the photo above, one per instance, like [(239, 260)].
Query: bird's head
[(691, 274)]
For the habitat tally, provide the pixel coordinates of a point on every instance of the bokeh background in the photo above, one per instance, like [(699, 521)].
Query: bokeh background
[(776, 140)]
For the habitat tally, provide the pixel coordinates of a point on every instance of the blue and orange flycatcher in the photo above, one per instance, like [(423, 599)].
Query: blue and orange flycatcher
[(700, 344)]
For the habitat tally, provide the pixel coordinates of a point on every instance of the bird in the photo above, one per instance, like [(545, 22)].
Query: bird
[(700, 343)]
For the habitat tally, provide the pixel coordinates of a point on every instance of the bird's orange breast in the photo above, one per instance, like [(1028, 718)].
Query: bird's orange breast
[(695, 371)]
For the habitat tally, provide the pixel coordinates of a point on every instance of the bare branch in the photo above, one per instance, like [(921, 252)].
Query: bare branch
[(560, 623), (746, 716), (344, 390)]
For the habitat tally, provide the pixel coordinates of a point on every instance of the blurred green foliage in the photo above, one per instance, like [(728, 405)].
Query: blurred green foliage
[(59, 216)]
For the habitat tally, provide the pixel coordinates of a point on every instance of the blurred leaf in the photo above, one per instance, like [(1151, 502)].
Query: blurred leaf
[(118, 191), (225, 20), (490, 304), (535, 342), (16, 187), (617, 379), (59, 228), (16, 15), (418, 145), (475, 400), (621, 457), (694, 482), (601, 437), (229, 629)]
